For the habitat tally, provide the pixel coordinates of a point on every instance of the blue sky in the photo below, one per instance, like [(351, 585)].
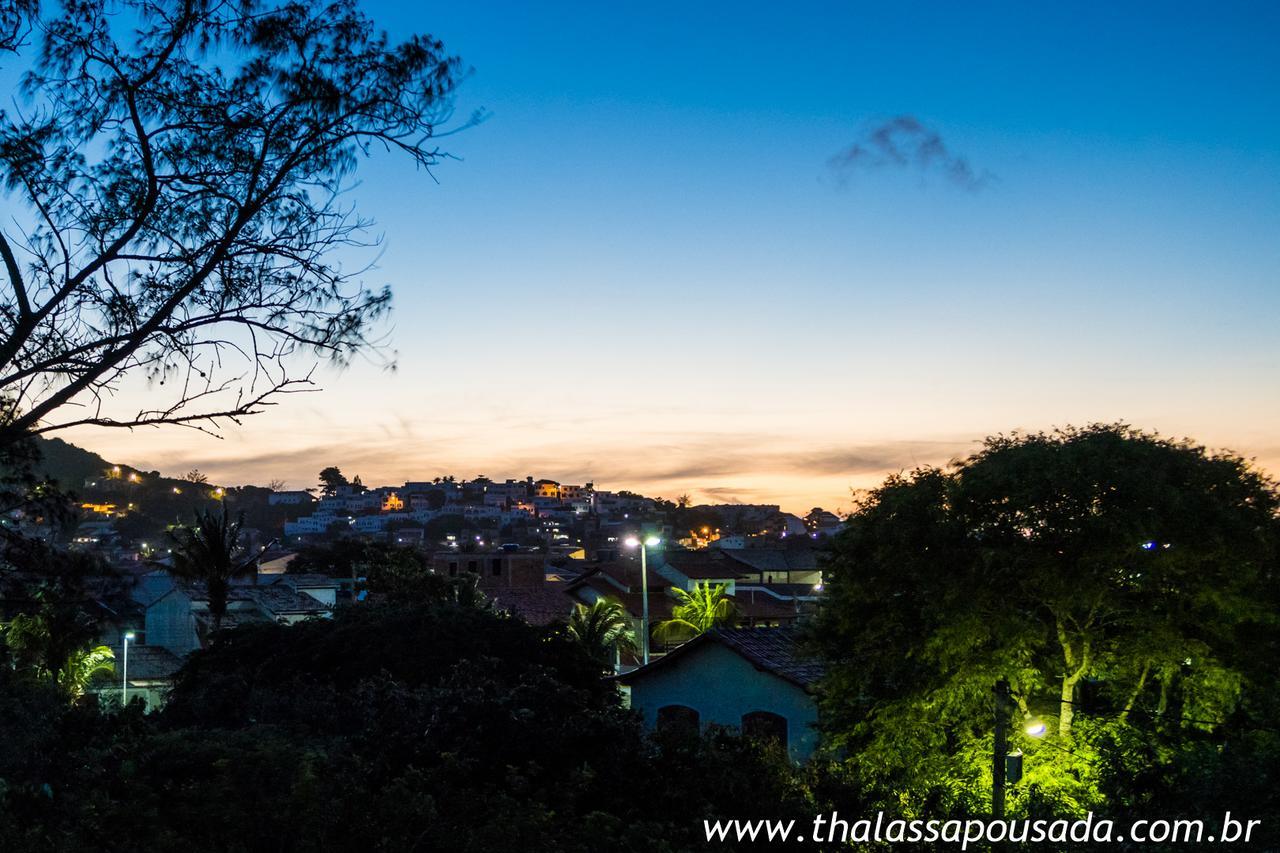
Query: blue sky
[(644, 271)]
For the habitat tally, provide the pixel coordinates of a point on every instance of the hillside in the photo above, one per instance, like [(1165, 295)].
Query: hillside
[(68, 465)]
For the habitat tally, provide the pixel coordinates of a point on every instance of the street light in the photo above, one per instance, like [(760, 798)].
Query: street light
[(649, 542), (124, 680)]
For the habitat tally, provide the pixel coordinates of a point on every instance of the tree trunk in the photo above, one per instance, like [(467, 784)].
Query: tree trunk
[(1077, 667), (1137, 691), (1067, 711)]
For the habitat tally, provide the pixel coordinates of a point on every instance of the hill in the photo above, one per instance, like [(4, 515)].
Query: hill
[(69, 466)]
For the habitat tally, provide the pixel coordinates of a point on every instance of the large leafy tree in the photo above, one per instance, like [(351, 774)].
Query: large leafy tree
[(175, 168), (1124, 583)]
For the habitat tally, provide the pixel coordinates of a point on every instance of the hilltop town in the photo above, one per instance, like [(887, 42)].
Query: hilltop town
[(534, 548)]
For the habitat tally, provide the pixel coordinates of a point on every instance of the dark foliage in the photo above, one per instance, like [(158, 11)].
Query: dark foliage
[(438, 727)]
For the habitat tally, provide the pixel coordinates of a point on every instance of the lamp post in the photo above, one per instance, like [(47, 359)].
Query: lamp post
[(645, 545), (124, 680), (1000, 749)]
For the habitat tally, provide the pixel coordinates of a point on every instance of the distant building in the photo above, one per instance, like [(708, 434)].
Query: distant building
[(289, 498), (408, 535), (516, 581), (546, 489)]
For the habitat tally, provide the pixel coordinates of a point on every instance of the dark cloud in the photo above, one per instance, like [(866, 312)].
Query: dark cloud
[(903, 142)]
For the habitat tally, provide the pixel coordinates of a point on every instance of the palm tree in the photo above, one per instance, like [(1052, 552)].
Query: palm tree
[(704, 608), (603, 630), (82, 666), (210, 553)]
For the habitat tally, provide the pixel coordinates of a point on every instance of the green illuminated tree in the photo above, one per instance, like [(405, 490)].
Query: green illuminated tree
[(707, 606), (82, 667), (1122, 582), (37, 643)]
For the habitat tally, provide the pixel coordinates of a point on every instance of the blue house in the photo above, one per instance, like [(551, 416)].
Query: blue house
[(752, 679)]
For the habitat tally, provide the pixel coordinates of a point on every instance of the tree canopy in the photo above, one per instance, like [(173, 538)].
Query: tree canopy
[(1124, 583)]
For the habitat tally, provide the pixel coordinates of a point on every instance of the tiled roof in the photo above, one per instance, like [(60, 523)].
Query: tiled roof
[(775, 650), (772, 650), (146, 663), (308, 581), (703, 565), (535, 606), (628, 574), (660, 604), (280, 599), (775, 559), (276, 599), (763, 606)]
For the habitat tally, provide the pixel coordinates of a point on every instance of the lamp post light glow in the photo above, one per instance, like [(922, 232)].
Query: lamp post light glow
[(1035, 728), (124, 679), (649, 542)]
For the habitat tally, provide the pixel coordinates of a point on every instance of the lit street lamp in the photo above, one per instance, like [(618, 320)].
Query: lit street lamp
[(648, 543), (124, 680)]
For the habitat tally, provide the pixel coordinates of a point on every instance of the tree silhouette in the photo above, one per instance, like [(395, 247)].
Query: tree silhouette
[(177, 187), (330, 479), (210, 553), (603, 630)]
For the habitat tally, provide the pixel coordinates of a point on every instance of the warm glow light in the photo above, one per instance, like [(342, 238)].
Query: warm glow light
[(631, 541)]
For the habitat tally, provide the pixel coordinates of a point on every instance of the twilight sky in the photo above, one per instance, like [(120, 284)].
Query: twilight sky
[(771, 252)]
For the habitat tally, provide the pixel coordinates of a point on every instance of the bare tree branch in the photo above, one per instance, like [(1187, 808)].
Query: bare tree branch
[(183, 185)]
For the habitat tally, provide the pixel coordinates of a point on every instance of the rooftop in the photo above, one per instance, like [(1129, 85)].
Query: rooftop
[(773, 650)]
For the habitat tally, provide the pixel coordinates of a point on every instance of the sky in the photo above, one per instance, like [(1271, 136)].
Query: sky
[(771, 253)]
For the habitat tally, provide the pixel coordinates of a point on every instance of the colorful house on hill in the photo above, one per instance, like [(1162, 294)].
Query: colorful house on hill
[(752, 679)]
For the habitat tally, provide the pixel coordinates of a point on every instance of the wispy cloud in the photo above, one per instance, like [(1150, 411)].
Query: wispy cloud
[(666, 462), (903, 142)]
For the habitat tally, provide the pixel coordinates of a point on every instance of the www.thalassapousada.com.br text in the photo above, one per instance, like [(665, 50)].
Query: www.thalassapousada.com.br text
[(882, 828)]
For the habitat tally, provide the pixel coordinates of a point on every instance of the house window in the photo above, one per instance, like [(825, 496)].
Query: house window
[(496, 566), (765, 725), (678, 718), (473, 566), (453, 568)]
